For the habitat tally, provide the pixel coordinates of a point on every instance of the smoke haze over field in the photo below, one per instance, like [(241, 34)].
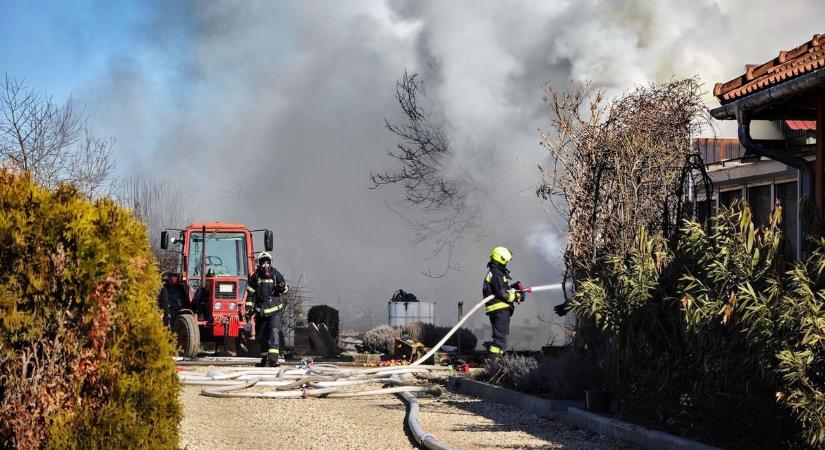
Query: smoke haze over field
[(271, 114)]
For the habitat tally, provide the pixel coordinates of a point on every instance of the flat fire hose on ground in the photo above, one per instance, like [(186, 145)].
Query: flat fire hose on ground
[(325, 380)]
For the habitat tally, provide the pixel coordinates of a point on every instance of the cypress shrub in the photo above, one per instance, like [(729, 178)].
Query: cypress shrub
[(84, 358)]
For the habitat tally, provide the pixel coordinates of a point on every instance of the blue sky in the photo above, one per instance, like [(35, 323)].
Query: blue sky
[(59, 46)]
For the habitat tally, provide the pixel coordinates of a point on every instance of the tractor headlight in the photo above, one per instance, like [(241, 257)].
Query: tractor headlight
[(232, 306), (218, 305)]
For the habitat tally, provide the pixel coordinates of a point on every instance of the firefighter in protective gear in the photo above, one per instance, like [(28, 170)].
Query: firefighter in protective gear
[(505, 295), (264, 301)]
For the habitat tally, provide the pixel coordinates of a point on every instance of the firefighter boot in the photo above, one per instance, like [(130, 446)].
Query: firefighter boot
[(493, 350), (272, 359)]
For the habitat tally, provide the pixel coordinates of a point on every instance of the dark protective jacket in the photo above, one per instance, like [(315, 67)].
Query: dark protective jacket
[(497, 283), (264, 292)]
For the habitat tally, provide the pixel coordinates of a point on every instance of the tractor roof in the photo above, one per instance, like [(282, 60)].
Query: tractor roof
[(218, 226)]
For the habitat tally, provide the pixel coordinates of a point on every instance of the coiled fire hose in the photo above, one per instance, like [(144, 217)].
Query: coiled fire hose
[(326, 380)]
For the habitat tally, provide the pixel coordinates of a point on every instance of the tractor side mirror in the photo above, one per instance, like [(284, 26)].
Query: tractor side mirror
[(268, 240), (164, 240)]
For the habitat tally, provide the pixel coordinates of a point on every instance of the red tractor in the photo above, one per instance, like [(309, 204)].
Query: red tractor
[(203, 301)]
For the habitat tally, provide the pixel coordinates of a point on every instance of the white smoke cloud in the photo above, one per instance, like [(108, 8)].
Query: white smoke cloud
[(271, 114), (548, 243)]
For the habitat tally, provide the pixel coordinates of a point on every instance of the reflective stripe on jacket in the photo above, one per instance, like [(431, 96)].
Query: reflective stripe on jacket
[(497, 284), (264, 293)]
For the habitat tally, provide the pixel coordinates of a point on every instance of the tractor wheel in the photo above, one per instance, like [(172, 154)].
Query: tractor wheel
[(189, 337)]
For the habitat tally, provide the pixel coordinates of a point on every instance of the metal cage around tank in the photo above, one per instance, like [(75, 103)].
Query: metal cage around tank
[(401, 313)]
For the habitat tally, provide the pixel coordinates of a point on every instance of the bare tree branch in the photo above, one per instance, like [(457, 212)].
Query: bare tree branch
[(51, 141), (448, 209), (159, 205), (619, 165), (294, 300)]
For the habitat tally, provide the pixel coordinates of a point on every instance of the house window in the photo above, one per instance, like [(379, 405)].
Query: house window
[(759, 199), (786, 195), (726, 198)]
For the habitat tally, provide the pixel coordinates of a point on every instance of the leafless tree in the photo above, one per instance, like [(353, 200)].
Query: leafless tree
[(619, 165), (447, 208), (159, 205), (294, 300), (424, 150), (52, 141)]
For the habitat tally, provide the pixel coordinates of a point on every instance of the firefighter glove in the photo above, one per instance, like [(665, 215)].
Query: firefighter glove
[(562, 309)]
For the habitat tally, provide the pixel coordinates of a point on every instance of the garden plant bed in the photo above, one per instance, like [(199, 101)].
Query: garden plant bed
[(734, 426)]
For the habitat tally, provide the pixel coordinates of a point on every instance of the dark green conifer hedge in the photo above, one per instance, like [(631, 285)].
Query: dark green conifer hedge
[(84, 358)]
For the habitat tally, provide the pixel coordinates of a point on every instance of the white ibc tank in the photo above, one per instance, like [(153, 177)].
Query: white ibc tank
[(406, 312)]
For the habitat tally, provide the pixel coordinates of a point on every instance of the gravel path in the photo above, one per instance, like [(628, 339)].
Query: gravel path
[(366, 423)]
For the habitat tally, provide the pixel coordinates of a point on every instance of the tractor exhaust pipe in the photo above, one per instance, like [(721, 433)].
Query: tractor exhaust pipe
[(203, 261)]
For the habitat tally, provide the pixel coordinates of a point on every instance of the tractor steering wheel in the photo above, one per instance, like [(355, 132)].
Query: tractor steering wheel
[(214, 261)]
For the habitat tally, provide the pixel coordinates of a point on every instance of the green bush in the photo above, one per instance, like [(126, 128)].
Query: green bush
[(720, 315), (800, 328), (84, 359)]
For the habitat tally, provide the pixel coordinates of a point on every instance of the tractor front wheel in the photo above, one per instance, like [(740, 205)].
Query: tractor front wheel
[(189, 337)]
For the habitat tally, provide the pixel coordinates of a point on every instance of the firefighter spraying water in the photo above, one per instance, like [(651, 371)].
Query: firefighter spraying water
[(503, 295)]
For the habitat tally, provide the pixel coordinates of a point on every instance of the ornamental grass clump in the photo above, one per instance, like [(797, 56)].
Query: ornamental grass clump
[(720, 315)]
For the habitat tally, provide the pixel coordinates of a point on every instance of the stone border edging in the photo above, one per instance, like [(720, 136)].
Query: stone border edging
[(573, 413), (550, 409)]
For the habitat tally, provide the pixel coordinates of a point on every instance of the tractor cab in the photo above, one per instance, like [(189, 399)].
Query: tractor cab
[(203, 300)]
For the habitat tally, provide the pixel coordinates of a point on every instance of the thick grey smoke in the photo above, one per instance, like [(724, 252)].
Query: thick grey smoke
[(271, 114)]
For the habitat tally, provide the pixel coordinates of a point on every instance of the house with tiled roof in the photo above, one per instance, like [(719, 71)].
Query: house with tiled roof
[(788, 92)]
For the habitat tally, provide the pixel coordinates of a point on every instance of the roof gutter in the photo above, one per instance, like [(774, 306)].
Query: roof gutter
[(806, 171), (771, 95)]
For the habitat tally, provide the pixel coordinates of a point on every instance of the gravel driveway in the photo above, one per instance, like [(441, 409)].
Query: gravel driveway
[(366, 423)]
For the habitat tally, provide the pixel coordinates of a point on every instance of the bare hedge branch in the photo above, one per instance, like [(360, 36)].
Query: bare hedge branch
[(619, 165)]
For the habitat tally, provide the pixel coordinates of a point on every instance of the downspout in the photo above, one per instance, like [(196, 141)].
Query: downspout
[(806, 171)]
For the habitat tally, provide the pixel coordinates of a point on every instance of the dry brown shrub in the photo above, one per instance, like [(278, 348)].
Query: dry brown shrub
[(39, 382), (618, 165)]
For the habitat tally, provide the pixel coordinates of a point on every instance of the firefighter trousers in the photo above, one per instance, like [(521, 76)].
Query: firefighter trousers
[(500, 322), (267, 334)]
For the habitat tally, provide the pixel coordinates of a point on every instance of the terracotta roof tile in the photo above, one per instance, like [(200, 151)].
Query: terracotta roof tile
[(792, 63), (801, 125)]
